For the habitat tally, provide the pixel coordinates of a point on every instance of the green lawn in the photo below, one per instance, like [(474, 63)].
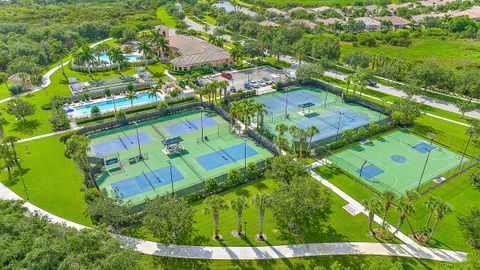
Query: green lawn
[(353, 262), (342, 226), (54, 182), (210, 20), (458, 192), (4, 93), (166, 18), (448, 53)]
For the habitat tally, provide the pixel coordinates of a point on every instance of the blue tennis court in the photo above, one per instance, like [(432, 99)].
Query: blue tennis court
[(120, 144), (424, 147), (225, 156), (276, 103), (146, 182), (190, 125), (370, 171)]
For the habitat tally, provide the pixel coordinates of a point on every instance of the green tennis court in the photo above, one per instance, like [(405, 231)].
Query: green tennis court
[(310, 106), (195, 161), (396, 161)]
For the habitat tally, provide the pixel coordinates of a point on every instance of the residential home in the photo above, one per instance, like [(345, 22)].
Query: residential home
[(277, 11), (420, 18), (330, 21), (397, 22), (473, 13), (372, 9), (247, 11), (394, 7), (300, 9), (434, 3), (371, 24), (269, 23), (303, 22)]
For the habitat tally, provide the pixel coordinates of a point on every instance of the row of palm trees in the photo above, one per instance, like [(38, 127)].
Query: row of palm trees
[(214, 90), (405, 207), (248, 110), (358, 79), (299, 137), (215, 203)]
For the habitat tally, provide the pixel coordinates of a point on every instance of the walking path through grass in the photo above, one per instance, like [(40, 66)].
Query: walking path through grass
[(412, 250), (46, 78)]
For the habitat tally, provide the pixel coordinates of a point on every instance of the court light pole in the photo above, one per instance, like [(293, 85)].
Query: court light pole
[(245, 154), (201, 123), (245, 229), (426, 162), (338, 126), (286, 108), (171, 176), (326, 92), (138, 142)]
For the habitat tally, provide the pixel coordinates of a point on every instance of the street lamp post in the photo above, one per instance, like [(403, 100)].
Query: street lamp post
[(245, 229)]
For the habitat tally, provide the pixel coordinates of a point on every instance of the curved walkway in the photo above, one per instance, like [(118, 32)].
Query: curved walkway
[(264, 252), (46, 78)]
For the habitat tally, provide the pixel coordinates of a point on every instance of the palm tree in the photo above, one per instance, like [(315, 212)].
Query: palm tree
[(293, 130), (3, 122), (131, 94), (281, 129), (146, 49), (85, 56), (349, 79), (372, 205), (262, 201), (12, 140), (441, 209), (239, 204), (77, 147), (214, 204), (234, 110), (302, 138), (388, 197), (223, 87), (247, 110), (4, 78), (153, 92), (7, 157), (261, 111), (311, 132), (431, 204), (59, 51), (405, 207), (361, 77), (116, 57)]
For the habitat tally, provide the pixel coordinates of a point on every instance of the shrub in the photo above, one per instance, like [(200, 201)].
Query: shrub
[(16, 89)]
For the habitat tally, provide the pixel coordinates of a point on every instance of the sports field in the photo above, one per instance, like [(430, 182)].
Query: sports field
[(396, 161), (311, 106), (134, 179)]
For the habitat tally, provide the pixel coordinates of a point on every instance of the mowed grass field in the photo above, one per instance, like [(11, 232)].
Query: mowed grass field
[(166, 18), (448, 53), (341, 226)]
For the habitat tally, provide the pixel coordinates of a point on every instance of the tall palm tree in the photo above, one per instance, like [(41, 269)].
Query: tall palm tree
[(431, 204), (153, 92), (281, 129), (349, 80), (214, 204), (3, 122), (293, 130), (146, 49), (302, 138), (239, 204), (223, 87), (116, 57), (388, 197), (247, 110), (12, 140), (59, 51), (261, 111), (262, 201), (311, 132), (234, 111), (7, 156), (85, 56), (77, 147), (441, 209), (131, 94), (372, 205), (405, 207)]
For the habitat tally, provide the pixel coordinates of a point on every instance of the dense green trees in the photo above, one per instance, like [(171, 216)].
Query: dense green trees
[(33, 242)]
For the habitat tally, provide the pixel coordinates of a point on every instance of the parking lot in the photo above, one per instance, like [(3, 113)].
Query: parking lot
[(239, 77)]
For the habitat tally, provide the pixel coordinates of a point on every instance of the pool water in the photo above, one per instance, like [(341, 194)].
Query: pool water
[(108, 105), (129, 57)]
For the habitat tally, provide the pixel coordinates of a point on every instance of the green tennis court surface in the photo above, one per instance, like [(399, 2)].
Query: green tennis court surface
[(310, 106), (200, 160), (396, 161)]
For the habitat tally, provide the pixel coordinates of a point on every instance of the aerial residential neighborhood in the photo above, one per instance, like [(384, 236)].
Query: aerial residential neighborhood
[(240, 134)]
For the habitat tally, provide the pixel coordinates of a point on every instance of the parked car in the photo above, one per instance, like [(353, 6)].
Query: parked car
[(227, 75), (233, 90), (247, 85), (371, 83)]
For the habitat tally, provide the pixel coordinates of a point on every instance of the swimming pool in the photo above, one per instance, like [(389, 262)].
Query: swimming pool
[(108, 105), (129, 57)]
